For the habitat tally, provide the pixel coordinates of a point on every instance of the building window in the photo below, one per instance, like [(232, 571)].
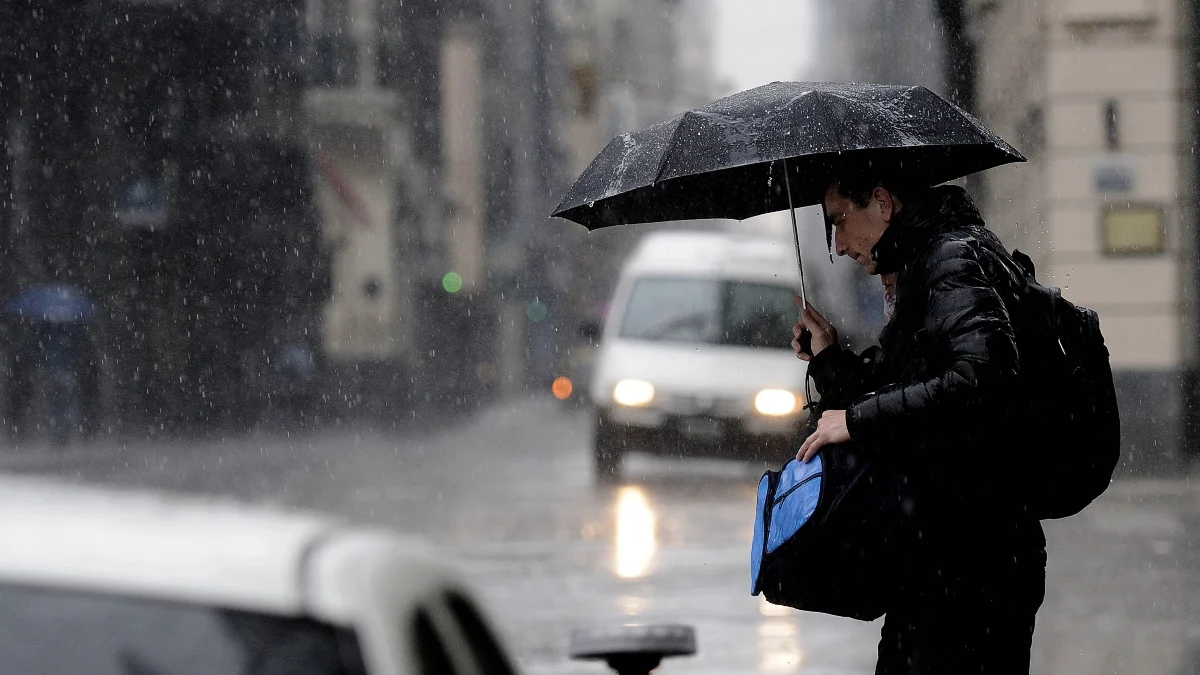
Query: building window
[(335, 61), (1112, 129), (583, 75), (335, 54), (1133, 229), (335, 16), (1031, 133), (489, 657), (432, 656)]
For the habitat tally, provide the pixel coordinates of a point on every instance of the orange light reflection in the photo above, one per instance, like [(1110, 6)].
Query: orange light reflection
[(562, 388)]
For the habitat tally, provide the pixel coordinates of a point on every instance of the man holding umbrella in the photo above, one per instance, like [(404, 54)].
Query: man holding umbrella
[(941, 413), (943, 384)]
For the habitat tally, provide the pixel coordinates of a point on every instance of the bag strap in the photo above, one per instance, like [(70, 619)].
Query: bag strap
[(1055, 297), (1024, 261)]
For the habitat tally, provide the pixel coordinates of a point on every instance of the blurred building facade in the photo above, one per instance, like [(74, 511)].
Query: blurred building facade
[(1100, 97), (374, 107), (484, 112), (343, 201), (444, 134), (154, 159), (439, 134), (631, 63), (881, 41), (353, 193)]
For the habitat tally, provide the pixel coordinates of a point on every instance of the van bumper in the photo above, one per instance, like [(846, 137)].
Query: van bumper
[(660, 433)]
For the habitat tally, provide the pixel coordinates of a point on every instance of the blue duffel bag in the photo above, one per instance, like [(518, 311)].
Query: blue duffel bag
[(825, 535)]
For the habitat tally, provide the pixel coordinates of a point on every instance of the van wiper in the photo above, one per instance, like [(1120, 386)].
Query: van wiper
[(699, 321)]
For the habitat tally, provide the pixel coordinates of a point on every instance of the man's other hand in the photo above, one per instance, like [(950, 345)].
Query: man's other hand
[(831, 428)]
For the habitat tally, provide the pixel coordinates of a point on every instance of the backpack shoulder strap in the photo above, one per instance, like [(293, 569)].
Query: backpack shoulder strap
[(1024, 261)]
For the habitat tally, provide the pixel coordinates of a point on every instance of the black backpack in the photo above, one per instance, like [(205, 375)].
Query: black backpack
[(1074, 431)]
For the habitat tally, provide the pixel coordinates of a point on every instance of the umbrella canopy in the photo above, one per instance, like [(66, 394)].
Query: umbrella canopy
[(727, 159), (52, 303)]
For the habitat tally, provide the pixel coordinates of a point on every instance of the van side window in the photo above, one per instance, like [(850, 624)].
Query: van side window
[(432, 658), (484, 647)]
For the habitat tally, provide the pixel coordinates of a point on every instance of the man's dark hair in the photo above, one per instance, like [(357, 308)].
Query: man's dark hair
[(858, 179)]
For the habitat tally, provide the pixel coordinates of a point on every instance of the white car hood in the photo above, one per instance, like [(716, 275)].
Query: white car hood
[(697, 369)]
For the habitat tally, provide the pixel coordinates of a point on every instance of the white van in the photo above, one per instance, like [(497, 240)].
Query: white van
[(695, 357)]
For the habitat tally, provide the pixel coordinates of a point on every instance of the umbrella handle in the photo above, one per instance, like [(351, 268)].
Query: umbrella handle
[(805, 341)]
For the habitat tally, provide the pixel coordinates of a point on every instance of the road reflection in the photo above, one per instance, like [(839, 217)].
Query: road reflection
[(778, 639), (636, 534), (632, 605)]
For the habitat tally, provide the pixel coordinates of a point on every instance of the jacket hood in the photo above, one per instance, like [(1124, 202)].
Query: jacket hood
[(941, 209)]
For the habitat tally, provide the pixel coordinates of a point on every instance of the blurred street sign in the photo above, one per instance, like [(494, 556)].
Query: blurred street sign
[(1114, 173), (1133, 229), (142, 204)]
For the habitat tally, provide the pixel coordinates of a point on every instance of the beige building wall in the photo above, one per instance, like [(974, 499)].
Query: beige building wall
[(462, 150), (1094, 93), (1011, 99)]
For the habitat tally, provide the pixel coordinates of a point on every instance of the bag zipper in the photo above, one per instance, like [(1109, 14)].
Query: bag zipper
[(772, 483), (795, 487)]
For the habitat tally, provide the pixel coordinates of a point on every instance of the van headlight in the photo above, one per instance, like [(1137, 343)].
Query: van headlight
[(776, 402), (633, 392)]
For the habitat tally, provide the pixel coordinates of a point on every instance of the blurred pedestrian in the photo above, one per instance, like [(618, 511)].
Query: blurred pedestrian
[(936, 403), (62, 350)]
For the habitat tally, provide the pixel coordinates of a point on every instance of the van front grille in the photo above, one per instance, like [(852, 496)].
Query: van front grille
[(699, 404)]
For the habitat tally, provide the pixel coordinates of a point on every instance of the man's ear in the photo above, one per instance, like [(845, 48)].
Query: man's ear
[(886, 202)]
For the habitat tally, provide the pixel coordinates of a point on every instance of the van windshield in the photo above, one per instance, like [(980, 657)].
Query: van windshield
[(710, 311)]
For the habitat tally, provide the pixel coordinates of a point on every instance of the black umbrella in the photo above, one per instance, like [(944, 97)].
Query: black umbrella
[(774, 147)]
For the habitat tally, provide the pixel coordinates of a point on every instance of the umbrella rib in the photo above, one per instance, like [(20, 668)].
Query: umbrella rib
[(828, 110), (662, 162)]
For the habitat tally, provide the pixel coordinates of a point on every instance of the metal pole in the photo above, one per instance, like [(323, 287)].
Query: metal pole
[(787, 184)]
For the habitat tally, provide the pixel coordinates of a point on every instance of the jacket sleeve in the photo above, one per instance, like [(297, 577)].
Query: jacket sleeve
[(968, 324), (841, 375)]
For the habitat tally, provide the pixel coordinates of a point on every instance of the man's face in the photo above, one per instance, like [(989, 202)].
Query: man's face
[(857, 230)]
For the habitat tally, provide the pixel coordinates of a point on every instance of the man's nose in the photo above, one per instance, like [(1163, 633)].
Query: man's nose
[(838, 247)]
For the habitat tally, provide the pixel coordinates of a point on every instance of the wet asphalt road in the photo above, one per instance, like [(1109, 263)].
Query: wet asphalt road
[(511, 492)]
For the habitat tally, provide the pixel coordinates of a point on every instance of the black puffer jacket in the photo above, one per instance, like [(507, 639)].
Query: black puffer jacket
[(937, 399)]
